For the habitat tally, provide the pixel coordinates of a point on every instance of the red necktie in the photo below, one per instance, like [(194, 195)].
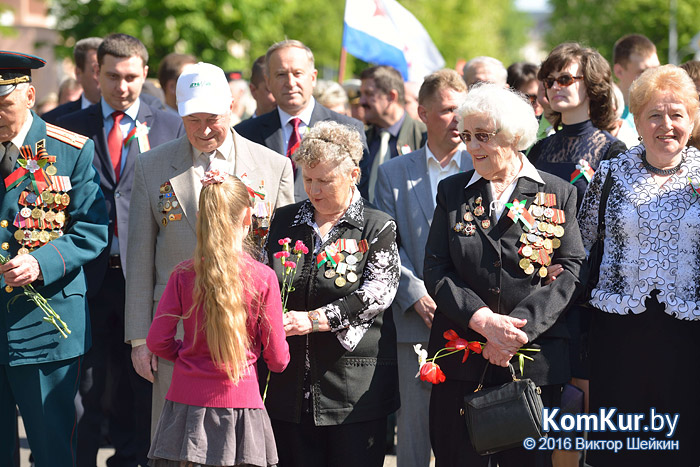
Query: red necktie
[(114, 143), (294, 140)]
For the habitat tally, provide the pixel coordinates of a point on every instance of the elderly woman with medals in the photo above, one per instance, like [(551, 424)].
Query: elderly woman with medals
[(329, 406), (645, 334), (495, 231)]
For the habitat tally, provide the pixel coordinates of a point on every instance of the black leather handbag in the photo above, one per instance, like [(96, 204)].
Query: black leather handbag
[(501, 417)]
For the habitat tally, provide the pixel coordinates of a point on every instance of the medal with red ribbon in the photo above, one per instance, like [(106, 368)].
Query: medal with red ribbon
[(32, 167), (517, 212), (332, 252), (583, 169)]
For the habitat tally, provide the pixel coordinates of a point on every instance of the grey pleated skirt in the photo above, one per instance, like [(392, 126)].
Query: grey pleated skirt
[(194, 436)]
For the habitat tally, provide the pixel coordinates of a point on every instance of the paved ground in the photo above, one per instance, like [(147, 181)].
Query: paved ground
[(104, 454)]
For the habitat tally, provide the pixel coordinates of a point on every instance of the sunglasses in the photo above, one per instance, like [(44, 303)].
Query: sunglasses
[(564, 80), (481, 137), (532, 98)]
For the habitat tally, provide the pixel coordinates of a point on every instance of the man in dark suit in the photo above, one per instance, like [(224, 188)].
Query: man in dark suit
[(85, 57), (291, 77), (392, 132), (39, 367), (122, 127), (264, 100), (406, 189)]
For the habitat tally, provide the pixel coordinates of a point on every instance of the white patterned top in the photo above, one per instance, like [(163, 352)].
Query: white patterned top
[(652, 236)]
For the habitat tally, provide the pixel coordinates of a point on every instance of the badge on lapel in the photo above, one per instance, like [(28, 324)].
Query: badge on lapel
[(168, 204)]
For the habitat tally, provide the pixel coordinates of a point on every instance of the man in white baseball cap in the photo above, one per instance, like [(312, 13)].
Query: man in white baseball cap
[(165, 197)]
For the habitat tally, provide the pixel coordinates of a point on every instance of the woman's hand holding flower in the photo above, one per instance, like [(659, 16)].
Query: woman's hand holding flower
[(502, 333)]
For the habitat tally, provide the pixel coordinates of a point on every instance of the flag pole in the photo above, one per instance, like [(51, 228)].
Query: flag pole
[(341, 66), (343, 51)]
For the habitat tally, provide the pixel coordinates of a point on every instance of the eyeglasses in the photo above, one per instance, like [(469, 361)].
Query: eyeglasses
[(532, 98), (564, 80), (481, 137)]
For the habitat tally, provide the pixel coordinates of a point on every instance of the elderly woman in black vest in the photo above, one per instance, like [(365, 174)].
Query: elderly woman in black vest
[(329, 406), (495, 231)]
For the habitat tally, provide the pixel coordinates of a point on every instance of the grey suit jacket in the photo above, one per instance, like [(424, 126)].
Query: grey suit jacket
[(157, 246), (403, 191), (267, 130), (412, 134)]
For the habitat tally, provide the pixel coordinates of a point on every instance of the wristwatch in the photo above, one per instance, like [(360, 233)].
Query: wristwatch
[(313, 316)]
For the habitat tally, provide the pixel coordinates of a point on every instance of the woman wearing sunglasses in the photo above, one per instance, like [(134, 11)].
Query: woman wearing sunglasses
[(485, 262), (578, 84)]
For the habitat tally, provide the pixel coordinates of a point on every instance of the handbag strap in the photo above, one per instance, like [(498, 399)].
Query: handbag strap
[(483, 375), (607, 185)]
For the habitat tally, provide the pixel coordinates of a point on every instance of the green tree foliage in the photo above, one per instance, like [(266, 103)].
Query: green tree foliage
[(233, 33), (599, 23), (463, 29)]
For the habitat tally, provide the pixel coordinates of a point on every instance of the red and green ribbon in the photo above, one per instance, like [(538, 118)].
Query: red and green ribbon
[(695, 186), (583, 169), (517, 212), (32, 167)]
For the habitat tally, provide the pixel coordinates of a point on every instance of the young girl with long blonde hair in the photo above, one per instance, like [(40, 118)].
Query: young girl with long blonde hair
[(229, 306)]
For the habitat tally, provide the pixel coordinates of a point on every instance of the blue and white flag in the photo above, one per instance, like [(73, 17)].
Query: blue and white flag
[(385, 33)]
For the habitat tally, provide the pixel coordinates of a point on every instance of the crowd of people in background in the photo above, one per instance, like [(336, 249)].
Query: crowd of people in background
[(384, 211)]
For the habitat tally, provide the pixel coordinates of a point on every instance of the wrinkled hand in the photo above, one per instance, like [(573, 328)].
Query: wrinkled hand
[(553, 270), (296, 323), (21, 270), (502, 333), (425, 307), (145, 363)]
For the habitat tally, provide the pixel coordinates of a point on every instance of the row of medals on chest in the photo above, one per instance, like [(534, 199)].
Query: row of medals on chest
[(41, 223), (346, 258), (539, 243), (167, 202)]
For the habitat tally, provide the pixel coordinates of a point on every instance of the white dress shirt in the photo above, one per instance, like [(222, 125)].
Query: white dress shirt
[(437, 172), (498, 205), (288, 128)]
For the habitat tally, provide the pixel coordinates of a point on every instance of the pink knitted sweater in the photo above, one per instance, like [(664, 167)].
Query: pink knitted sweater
[(196, 379)]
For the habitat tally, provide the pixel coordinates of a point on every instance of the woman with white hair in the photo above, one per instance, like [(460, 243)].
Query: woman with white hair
[(494, 232)]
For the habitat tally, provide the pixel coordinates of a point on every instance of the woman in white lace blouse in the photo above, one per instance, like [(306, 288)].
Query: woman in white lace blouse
[(646, 306)]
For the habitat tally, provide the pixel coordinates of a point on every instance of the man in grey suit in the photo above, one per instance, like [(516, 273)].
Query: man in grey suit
[(291, 77), (122, 126), (165, 200), (406, 189)]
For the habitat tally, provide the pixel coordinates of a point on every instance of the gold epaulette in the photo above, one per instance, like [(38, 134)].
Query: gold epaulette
[(67, 136)]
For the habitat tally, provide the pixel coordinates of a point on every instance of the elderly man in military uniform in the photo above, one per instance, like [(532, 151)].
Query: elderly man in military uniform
[(53, 220)]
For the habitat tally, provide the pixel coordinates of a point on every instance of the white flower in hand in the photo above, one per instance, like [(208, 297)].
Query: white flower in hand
[(422, 357)]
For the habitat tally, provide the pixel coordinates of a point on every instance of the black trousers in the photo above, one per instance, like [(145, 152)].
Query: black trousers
[(110, 388), (450, 438), (639, 362), (303, 444)]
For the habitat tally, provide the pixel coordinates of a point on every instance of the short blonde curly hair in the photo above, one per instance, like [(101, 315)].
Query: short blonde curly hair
[(330, 141), (661, 79)]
